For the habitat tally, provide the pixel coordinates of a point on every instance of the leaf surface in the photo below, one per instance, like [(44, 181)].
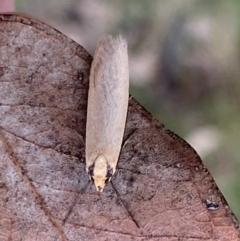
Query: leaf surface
[(161, 190)]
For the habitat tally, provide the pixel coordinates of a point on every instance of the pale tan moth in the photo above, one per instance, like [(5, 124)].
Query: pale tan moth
[(107, 109)]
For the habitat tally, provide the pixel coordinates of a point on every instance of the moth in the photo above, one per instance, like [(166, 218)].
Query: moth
[(107, 109)]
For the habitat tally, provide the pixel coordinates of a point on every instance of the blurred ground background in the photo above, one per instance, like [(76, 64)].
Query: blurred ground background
[(184, 67)]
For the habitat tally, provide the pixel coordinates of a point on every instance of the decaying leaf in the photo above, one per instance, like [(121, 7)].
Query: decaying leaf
[(161, 190)]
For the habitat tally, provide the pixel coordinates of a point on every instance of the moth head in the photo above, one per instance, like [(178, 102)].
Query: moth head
[(100, 172)]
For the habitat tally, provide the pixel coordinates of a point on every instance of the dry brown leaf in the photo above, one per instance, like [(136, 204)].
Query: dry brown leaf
[(161, 191)]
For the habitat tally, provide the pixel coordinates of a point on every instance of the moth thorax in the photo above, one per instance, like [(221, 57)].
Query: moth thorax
[(100, 172)]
